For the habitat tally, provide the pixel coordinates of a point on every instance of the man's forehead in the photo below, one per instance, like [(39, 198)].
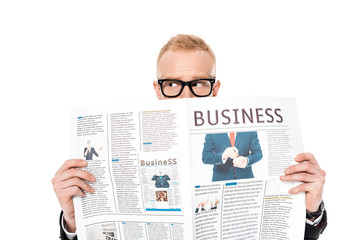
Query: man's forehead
[(189, 64)]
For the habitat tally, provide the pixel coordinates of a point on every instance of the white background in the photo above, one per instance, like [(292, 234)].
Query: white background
[(56, 55)]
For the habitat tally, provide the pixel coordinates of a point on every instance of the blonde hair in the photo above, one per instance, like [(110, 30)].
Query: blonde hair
[(186, 42)]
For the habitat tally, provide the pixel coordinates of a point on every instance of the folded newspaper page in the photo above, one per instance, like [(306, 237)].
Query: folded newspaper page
[(189, 169)]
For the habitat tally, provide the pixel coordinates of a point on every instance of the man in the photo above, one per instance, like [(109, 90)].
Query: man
[(186, 69), (90, 151), (231, 154), (161, 180)]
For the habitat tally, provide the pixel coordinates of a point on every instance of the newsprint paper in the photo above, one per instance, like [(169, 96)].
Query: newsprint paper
[(189, 169)]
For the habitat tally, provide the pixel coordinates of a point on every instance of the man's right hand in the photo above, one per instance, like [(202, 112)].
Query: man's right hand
[(68, 182), (230, 152)]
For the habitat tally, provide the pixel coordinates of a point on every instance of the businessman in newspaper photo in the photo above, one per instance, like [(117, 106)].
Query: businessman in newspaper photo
[(232, 154), (186, 68)]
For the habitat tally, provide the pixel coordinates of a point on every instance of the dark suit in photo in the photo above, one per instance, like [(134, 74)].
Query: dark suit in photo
[(89, 155), (248, 146)]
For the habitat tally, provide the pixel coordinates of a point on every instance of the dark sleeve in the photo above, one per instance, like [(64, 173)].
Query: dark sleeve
[(313, 232), (209, 156), (96, 154), (62, 232), (255, 149)]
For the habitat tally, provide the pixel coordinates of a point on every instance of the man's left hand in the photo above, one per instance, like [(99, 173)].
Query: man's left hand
[(240, 162), (309, 172)]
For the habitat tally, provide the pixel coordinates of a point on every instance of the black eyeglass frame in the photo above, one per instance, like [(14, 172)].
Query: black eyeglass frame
[(183, 84)]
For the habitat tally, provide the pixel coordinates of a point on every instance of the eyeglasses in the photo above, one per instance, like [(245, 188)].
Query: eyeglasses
[(199, 87)]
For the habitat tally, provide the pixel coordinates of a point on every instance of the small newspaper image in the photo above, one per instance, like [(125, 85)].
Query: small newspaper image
[(189, 169)]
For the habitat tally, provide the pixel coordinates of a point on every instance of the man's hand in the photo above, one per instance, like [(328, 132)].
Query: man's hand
[(309, 172), (230, 152), (240, 162), (68, 182)]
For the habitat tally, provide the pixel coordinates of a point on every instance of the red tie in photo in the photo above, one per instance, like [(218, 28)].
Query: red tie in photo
[(232, 142), (232, 139)]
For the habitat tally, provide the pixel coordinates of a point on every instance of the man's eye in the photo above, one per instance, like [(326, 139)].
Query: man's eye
[(173, 84), (198, 84)]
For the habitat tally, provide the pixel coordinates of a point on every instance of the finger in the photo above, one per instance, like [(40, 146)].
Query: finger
[(302, 167), (76, 173), (304, 187), (67, 194), (71, 163), (243, 164), (239, 166), (236, 151), (232, 154), (74, 191), (75, 182), (234, 162), (306, 157), (301, 177), (238, 162)]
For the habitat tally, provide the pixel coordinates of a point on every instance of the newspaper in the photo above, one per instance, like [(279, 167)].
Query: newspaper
[(189, 169)]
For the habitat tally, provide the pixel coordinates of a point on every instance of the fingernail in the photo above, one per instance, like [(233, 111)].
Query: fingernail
[(282, 177), (92, 178), (92, 189), (84, 162)]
